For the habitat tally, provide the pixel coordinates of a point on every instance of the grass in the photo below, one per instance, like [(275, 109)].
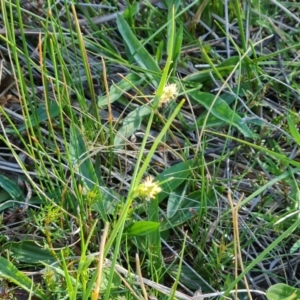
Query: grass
[(149, 154)]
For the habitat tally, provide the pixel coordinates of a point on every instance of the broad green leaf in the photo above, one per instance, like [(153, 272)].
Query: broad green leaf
[(131, 123), (295, 247), (241, 91), (7, 204), (282, 291), (223, 68), (80, 160), (4, 195), (222, 111), (137, 50), (294, 130), (188, 209), (199, 76), (11, 188), (109, 201), (174, 201), (228, 63), (179, 172), (118, 89), (130, 11), (11, 273), (43, 112), (141, 228), (212, 121), (22, 251)]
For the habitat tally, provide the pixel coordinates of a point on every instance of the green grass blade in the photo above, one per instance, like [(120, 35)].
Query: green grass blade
[(263, 254), (11, 273), (116, 234), (11, 188)]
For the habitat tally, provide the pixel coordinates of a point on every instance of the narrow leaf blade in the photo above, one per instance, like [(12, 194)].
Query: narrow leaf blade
[(137, 50)]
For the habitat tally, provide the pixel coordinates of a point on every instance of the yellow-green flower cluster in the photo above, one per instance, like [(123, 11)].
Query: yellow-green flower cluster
[(148, 189), (170, 92)]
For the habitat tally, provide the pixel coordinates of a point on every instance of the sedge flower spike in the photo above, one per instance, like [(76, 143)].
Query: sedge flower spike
[(148, 189), (170, 92)]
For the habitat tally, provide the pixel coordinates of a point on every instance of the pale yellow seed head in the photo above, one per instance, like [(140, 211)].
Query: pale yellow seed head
[(170, 92), (148, 189)]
